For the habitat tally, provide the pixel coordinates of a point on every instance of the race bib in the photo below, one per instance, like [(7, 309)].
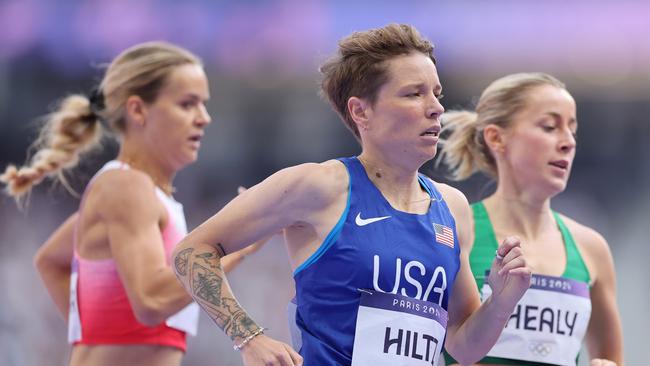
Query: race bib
[(74, 321), (397, 330), (548, 324), (186, 320)]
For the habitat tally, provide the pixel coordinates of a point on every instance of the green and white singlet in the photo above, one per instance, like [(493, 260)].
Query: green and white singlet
[(550, 321)]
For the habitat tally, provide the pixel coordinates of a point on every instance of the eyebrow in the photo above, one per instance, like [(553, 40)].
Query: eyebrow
[(195, 96), (437, 88), (556, 115)]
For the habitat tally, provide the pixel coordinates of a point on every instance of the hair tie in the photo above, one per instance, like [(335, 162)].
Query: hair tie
[(96, 98)]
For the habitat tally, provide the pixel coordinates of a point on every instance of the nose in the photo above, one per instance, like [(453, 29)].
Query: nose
[(434, 108), (203, 116), (568, 141)]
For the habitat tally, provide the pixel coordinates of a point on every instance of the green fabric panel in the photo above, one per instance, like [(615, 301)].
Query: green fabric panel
[(485, 244), (575, 266)]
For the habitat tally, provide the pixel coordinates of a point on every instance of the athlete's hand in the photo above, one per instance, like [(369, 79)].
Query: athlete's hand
[(510, 274), (601, 362), (264, 351)]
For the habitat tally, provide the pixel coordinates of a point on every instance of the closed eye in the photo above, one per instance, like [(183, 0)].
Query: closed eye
[(187, 104)]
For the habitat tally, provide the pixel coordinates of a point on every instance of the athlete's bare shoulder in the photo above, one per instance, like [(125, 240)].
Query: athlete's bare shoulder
[(313, 184), (121, 191), (453, 196), (590, 241)]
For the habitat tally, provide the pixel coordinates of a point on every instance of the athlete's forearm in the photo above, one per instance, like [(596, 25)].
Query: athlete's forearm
[(57, 283), (162, 297), (198, 266), (479, 332), (53, 260)]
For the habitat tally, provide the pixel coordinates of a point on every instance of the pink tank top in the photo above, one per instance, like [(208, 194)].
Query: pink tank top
[(100, 312)]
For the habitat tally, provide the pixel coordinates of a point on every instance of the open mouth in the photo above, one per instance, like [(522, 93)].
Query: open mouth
[(433, 131), (196, 138)]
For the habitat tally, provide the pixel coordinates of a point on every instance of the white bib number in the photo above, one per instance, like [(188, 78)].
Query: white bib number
[(397, 330), (548, 324)]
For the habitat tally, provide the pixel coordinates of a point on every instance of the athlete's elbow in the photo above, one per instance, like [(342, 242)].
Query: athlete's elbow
[(148, 308), (183, 244), (177, 254), (44, 264), (39, 261), (147, 313), (461, 355), (462, 359)]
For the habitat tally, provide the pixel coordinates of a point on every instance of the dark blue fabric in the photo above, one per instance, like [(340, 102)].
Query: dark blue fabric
[(370, 256)]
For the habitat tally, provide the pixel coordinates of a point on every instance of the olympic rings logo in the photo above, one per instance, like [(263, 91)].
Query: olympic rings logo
[(540, 348)]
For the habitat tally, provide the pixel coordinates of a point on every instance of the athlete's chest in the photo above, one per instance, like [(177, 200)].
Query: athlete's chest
[(546, 254), (414, 257)]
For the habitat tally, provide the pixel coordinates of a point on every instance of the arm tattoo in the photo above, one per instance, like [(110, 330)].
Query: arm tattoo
[(180, 262), (240, 325), (209, 287), (205, 257), (206, 284)]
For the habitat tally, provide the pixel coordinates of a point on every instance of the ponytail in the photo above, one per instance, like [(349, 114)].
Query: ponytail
[(463, 147), (68, 132)]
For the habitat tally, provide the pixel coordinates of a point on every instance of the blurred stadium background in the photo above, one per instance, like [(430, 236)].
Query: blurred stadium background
[(262, 58)]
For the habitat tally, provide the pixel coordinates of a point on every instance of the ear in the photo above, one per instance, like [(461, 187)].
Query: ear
[(495, 138), (359, 111), (136, 110)]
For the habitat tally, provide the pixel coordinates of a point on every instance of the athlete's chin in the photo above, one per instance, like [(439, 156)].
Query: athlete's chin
[(556, 186), (186, 159), (428, 153)]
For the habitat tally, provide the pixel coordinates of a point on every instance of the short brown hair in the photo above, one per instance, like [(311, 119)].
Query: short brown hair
[(358, 68)]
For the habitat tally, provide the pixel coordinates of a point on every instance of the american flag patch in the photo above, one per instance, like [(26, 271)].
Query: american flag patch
[(444, 235)]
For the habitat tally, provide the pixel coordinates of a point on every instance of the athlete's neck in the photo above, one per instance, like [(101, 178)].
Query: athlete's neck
[(520, 215), (161, 175), (397, 184)]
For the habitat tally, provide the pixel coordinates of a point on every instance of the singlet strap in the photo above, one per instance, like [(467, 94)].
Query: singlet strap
[(575, 266), (485, 244)]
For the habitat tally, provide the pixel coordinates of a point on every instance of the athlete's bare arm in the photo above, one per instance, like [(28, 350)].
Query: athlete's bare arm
[(300, 194), (53, 261), (473, 328), (604, 334), (132, 215)]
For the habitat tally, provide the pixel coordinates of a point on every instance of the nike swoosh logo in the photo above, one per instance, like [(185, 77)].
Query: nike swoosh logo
[(363, 222)]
